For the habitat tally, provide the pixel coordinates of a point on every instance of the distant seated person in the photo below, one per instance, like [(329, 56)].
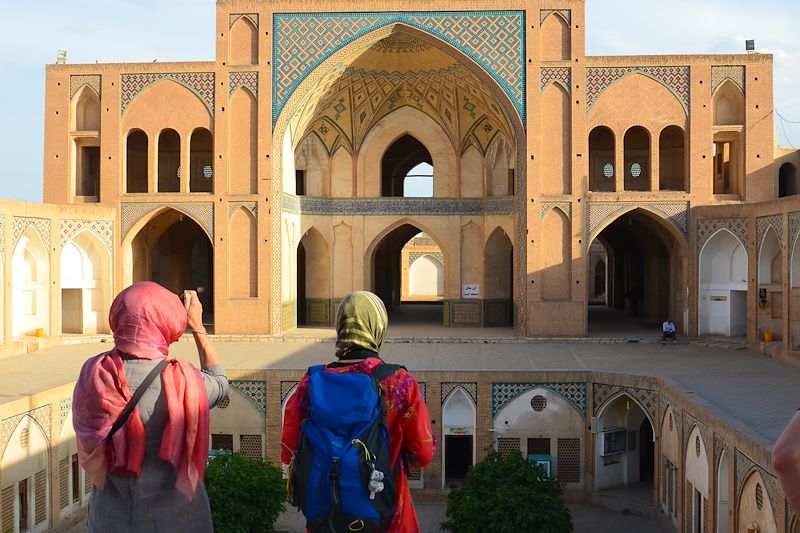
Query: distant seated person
[(668, 332)]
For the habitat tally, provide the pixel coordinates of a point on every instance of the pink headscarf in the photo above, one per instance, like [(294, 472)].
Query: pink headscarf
[(145, 318)]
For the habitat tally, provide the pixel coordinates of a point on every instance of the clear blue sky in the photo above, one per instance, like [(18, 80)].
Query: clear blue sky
[(183, 30)]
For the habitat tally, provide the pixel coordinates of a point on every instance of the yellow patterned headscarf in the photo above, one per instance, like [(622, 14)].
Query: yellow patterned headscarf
[(360, 323)]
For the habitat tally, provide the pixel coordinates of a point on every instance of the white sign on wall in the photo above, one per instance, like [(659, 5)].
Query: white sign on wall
[(470, 290)]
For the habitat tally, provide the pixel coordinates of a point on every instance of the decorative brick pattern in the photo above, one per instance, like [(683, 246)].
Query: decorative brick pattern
[(7, 426), (719, 446), (398, 206), (744, 467), (676, 213), (78, 81), (568, 461), (493, 39), (252, 17), (413, 256), (566, 14), (676, 79), (794, 229), (222, 441), (602, 394), (40, 496), (64, 410), (708, 227), (87, 483), (202, 213), (250, 206), (252, 447), (200, 83), (764, 223), (63, 483), (248, 80), (565, 207), (469, 388), (689, 506), (103, 229), (560, 75), (7, 508), (2, 236), (506, 445), (42, 226), (574, 393), (689, 422), (465, 313), (735, 73), (254, 391), (706, 517), (423, 390), (287, 388)]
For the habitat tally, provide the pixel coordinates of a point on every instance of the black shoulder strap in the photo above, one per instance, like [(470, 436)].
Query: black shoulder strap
[(384, 370), (137, 395)]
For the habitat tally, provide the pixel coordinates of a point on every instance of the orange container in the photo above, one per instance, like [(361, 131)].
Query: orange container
[(768, 336)]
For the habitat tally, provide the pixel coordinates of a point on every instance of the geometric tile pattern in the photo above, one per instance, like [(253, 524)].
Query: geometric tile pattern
[(677, 213), (201, 212), (398, 206), (248, 80), (735, 73), (2, 236), (413, 256), (64, 409), (763, 224), (8, 425), (506, 445), (423, 390), (104, 229), (252, 17), (602, 393), (744, 466), (76, 82), (469, 388), (794, 228), (252, 446), (676, 79), (569, 460), (503, 393), (250, 206), (287, 387), (708, 227), (719, 447), (565, 207), (254, 391), (42, 225), (493, 39), (566, 14), (688, 424), (560, 75), (200, 83)]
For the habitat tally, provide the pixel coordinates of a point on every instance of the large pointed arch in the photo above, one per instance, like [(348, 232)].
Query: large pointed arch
[(30, 285)]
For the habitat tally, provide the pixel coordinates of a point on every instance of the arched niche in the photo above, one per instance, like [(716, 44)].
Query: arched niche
[(472, 170), (624, 446), (770, 264), (556, 147), (498, 259), (637, 159), (472, 255), (237, 423), (723, 498), (788, 184), (754, 505), (243, 42), (201, 161), (413, 122), (426, 277), (243, 135), (672, 162), (343, 271), (342, 173), (311, 164), (30, 285), (458, 425), (728, 105), (500, 168), (722, 298), (136, 162), (85, 285), (313, 276), (670, 461), (401, 157), (555, 38), (697, 480), (243, 254), (85, 110), (169, 161), (602, 159), (556, 257), (23, 466)]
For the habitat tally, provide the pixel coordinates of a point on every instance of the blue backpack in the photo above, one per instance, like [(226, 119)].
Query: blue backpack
[(341, 476)]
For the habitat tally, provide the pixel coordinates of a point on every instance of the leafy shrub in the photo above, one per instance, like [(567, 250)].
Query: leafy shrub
[(507, 495), (246, 496)]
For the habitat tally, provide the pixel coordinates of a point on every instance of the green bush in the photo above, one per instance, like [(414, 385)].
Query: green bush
[(246, 496), (507, 495)]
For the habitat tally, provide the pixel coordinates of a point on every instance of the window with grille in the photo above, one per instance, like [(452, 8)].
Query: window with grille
[(414, 473), (222, 441), (63, 483), (568, 466), (538, 446), (76, 479), (250, 446), (40, 496), (87, 483), (7, 509), (506, 445)]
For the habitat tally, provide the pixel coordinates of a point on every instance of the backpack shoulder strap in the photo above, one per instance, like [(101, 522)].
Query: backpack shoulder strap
[(137, 395), (384, 370)]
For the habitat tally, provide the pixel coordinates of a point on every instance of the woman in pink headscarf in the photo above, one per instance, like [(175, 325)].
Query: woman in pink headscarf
[(149, 475)]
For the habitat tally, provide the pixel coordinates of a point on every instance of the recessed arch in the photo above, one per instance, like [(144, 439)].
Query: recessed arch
[(458, 424), (555, 38), (426, 277), (672, 161), (754, 503), (770, 265), (24, 464), (398, 160), (169, 161), (723, 498), (201, 160), (243, 254), (86, 266), (243, 142), (602, 159), (30, 285), (137, 164), (728, 104), (243, 42), (671, 463), (85, 110), (498, 254), (500, 167), (636, 146), (722, 294), (788, 183)]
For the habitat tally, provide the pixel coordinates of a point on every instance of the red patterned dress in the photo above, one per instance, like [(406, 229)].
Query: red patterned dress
[(409, 431)]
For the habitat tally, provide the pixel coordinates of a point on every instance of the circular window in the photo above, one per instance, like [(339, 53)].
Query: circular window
[(759, 496), (636, 170), (24, 437), (697, 445), (671, 427), (224, 403), (538, 402), (208, 172), (608, 170)]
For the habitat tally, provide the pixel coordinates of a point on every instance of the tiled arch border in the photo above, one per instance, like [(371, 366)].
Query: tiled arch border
[(676, 79), (744, 467), (279, 129), (200, 212), (600, 213)]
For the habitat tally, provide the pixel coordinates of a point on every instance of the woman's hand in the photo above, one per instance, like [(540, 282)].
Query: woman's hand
[(194, 311)]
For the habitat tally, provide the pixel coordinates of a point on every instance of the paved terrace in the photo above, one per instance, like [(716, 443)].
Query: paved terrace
[(753, 393)]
